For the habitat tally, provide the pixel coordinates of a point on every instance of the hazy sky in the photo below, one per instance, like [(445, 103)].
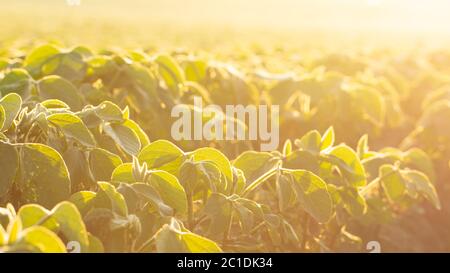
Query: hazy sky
[(349, 16), (407, 15)]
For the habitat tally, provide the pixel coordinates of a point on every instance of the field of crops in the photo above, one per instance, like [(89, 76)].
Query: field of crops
[(89, 162)]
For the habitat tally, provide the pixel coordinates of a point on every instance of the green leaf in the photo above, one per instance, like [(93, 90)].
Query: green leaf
[(95, 245), (170, 190), (102, 163), (126, 138), (201, 175), (287, 147), (254, 164), (17, 81), (312, 194), (41, 240), (216, 157), (162, 155), (38, 56), (11, 105), (55, 87), (109, 112), (69, 65), (71, 224), (143, 138), (392, 182), (362, 147), (354, 203), (285, 193), (2, 117), (327, 139), (150, 194), (170, 71), (197, 244), (3, 236), (357, 177), (218, 209), (83, 200), (422, 185), (418, 159), (44, 177), (117, 201), (73, 127), (54, 104), (123, 173), (372, 103), (174, 238), (9, 164), (310, 142), (32, 214), (14, 230)]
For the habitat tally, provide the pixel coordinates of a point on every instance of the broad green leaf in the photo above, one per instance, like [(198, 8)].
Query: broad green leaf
[(372, 104), (170, 71), (173, 238), (55, 87), (32, 214), (14, 230), (216, 157), (201, 175), (354, 203), (73, 127), (70, 223), (195, 69), (82, 200), (11, 104), (310, 142), (392, 182), (300, 159), (102, 163), (327, 139), (418, 159), (69, 65), (143, 138), (162, 155), (254, 164), (109, 112), (125, 137), (54, 104), (218, 209), (197, 244), (38, 57), (44, 177), (170, 190), (150, 194), (95, 245), (9, 164), (312, 194), (357, 177), (117, 201), (123, 173), (41, 239), (422, 185), (285, 193), (17, 81)]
